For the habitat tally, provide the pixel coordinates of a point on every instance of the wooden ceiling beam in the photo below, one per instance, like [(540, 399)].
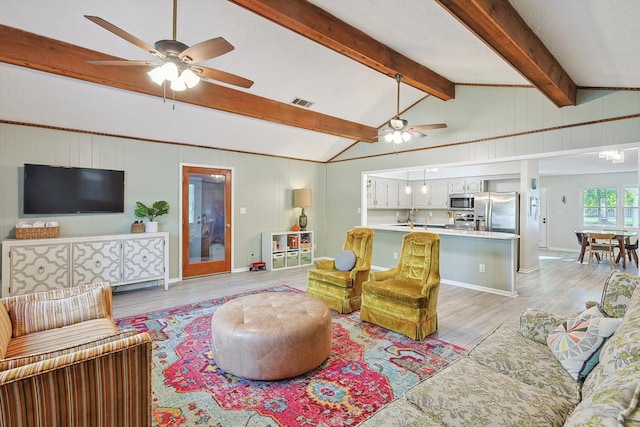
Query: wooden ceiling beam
[(498, 24), (320, 26), (41, 53)]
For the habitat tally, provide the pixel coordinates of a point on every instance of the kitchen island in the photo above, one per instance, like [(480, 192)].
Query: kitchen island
[(481, 260)]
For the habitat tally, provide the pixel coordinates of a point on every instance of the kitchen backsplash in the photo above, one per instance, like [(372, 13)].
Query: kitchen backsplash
[(391, 216)]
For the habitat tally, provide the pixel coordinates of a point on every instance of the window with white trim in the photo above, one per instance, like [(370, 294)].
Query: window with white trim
[(610, 207)]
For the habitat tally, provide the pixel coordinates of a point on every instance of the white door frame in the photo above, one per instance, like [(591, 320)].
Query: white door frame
[(543, 219)]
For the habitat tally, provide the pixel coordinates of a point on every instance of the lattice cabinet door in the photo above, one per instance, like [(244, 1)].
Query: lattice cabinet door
[(97, 261), (36, 268), (144, 258)]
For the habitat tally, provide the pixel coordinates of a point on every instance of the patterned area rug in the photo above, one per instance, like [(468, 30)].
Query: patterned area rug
[(368, 367)]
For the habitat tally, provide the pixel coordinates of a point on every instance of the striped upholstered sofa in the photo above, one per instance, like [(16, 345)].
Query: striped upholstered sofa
[(63, 362)]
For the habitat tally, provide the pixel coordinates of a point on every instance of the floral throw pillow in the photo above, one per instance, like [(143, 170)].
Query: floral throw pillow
[(576, 342), (617, 292)]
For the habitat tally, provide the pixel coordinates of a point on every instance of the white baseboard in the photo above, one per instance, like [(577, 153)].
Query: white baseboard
[(479, 288)]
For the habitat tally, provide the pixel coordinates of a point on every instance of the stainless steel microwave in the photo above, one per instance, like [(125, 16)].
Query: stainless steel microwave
[(461, 201)]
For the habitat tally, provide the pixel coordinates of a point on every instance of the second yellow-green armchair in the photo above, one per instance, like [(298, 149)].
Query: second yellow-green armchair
[(404, 299)]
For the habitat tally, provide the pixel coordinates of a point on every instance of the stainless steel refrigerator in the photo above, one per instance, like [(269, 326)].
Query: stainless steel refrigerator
[(497, 212)]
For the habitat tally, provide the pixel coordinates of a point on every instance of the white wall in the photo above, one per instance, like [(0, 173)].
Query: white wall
[(487, 126), (563, 218), (263, 185)]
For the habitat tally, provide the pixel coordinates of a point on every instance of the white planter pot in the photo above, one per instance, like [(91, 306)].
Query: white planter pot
[(151, 227)]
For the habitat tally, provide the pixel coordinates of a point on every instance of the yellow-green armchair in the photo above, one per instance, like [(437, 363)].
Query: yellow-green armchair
[(404, 299), (341, 290)]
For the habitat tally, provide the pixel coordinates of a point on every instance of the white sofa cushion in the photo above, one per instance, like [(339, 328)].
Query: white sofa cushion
[(509, 353), (468, 393)]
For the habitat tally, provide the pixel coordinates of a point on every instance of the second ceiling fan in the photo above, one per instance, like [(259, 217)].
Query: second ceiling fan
[(180, 61), (399, 131)]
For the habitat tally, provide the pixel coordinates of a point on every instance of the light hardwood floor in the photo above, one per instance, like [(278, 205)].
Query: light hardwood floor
[(465, 317)]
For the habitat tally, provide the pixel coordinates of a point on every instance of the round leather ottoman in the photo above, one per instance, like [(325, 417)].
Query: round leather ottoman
[(271, 336)]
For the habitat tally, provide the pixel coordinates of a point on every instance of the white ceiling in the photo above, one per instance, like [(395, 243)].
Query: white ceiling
[(598, 47)]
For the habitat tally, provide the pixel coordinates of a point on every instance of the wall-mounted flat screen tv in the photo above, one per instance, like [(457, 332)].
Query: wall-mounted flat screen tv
[(63, 190)]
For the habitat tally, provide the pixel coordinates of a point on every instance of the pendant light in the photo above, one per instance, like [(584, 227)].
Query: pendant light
[(424, 181), (407, 188)]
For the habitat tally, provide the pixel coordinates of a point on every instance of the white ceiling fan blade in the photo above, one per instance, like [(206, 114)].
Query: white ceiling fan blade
[(123, 62), (429, 127), (415, 134)]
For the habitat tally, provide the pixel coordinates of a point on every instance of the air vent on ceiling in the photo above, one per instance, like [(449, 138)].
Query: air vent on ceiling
[(302, 102)]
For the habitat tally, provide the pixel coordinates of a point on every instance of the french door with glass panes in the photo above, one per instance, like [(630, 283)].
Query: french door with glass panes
[(206, 221)]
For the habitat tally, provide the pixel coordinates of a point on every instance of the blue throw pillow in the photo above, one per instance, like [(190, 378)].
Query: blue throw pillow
[(345, 260)]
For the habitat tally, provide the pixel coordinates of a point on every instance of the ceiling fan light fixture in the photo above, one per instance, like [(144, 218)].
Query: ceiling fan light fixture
[(178, 85), (397, 137), (406, 136), (388, 137), (157, 75), (397, 123), (190, 78), (170, 71)]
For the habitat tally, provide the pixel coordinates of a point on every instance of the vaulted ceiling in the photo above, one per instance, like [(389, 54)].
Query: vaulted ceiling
[(340, 56)]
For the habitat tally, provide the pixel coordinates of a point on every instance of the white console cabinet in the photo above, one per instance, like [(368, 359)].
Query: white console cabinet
[(287, 249), (34, 265)]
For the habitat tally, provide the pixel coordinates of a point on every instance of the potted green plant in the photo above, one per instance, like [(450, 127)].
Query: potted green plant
[(152, 212)]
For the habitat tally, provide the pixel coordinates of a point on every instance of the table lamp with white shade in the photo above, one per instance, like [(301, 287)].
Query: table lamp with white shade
[(302, 199)]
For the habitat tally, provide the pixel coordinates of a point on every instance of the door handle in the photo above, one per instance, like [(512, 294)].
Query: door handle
[(228, 225)]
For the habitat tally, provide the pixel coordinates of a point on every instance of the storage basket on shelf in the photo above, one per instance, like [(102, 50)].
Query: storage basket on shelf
[(37, 232), (137, 227)]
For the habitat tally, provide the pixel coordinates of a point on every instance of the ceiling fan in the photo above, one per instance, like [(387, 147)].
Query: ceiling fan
[(399, 131), (179, 61)]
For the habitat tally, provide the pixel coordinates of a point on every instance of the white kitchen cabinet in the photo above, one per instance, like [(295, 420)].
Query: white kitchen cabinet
[(287, 249), (387, 193), (475, 186), (397, 196), (35, 265), (382, 189), (436, 197), (405, 200), (377, 189), (466, 185), (439, 194), (420, 199), (371, 193)]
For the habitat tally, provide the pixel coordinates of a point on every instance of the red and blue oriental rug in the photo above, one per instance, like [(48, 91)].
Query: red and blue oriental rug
[(368, 367)]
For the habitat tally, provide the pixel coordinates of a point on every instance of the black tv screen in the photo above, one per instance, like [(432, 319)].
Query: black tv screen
[(59, 190)]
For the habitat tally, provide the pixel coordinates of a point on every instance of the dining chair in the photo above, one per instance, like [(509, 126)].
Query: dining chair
[(579, 235), (601, 244), (630, 247)]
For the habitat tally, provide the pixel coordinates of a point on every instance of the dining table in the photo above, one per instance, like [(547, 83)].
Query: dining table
[(620, 235)]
